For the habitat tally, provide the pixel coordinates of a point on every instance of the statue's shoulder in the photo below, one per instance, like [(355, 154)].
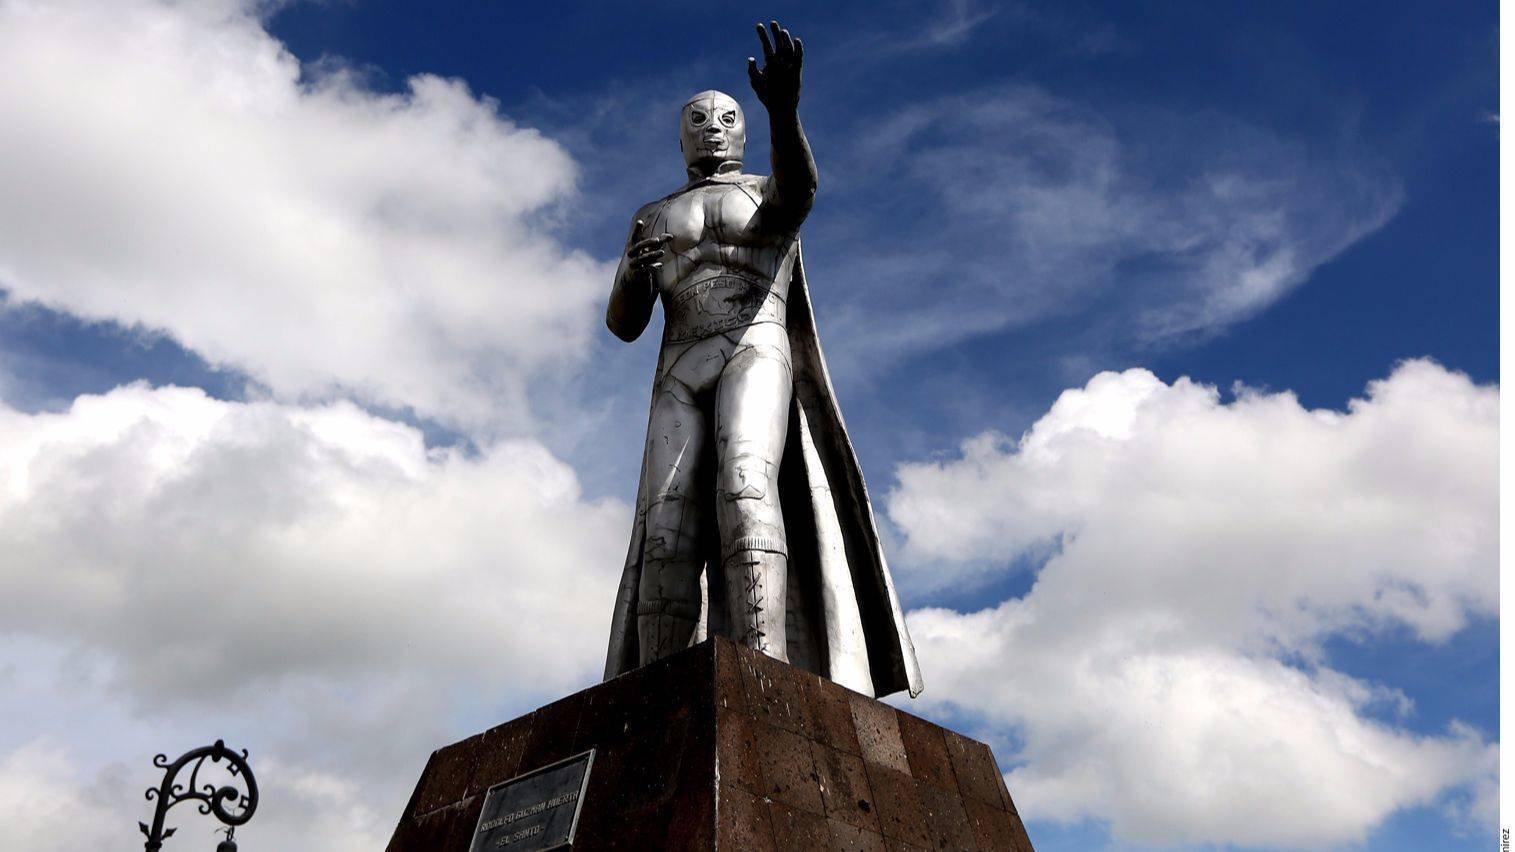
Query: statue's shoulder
[(649, 208), (646, 213)]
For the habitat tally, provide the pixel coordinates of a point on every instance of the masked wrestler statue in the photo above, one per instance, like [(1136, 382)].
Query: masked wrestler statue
[(752, 518)]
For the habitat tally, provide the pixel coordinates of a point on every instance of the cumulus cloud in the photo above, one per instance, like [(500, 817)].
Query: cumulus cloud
[(311, 577), (1025, 207), (1165, 671), (294, 573), (347, 547), (171, 165)]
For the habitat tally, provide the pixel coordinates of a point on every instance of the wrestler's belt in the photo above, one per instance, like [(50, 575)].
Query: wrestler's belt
[(720, 303)]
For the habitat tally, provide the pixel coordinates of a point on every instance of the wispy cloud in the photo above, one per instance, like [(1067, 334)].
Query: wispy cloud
[(1011, 206), (961, 19), (910, 28)]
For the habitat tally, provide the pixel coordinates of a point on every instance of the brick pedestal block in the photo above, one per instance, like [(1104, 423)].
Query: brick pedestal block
[(718, 747)]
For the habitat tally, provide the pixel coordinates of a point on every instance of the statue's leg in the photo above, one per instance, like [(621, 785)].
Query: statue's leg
[(668, 606), (752, 419)]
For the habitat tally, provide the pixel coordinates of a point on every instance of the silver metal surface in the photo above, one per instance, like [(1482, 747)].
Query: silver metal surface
[(711, 550)]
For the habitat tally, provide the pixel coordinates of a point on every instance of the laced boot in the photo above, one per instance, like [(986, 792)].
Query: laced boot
[(755, 584)]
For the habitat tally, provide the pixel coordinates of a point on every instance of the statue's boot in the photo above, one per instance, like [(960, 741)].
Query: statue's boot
[(664, 626), (755, 585), (668, 593)]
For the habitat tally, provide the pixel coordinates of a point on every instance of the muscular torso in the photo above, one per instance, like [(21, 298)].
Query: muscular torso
[(724, 271)]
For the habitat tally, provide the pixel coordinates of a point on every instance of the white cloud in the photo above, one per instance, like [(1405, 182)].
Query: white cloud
[(166, 164), (313, 580), (1165, 672), (299, 576), (348, 548)]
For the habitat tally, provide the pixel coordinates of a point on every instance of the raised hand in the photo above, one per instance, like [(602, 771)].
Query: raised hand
[(777, 84), (644, 254)]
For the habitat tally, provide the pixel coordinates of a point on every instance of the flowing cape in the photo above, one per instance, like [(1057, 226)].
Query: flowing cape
[(843, 616)]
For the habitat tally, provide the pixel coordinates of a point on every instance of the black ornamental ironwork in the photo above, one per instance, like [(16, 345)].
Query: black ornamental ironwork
[(231, 806)]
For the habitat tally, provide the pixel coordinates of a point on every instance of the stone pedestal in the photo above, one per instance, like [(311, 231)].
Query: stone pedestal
[(718, 747)]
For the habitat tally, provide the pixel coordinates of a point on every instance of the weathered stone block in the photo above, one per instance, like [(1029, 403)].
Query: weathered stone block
[(718, 747)]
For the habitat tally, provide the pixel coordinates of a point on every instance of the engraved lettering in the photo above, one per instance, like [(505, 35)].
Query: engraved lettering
[(520, 835), (529, 810)]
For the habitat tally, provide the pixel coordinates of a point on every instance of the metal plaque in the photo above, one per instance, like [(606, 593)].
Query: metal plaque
[(535, 811)]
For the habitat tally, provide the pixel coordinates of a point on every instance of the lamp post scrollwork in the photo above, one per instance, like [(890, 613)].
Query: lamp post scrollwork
[(231, 806)]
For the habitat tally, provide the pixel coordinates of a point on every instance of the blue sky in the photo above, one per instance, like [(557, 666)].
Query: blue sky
[(1035, 219)]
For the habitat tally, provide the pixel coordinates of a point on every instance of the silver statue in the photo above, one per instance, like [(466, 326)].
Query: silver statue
[(752, 517)]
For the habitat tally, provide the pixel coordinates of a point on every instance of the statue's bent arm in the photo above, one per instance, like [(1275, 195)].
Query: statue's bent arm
[(632, 295)]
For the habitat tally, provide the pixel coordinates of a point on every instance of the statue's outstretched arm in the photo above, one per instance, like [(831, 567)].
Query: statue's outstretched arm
[(777, 85), (632, 295)]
